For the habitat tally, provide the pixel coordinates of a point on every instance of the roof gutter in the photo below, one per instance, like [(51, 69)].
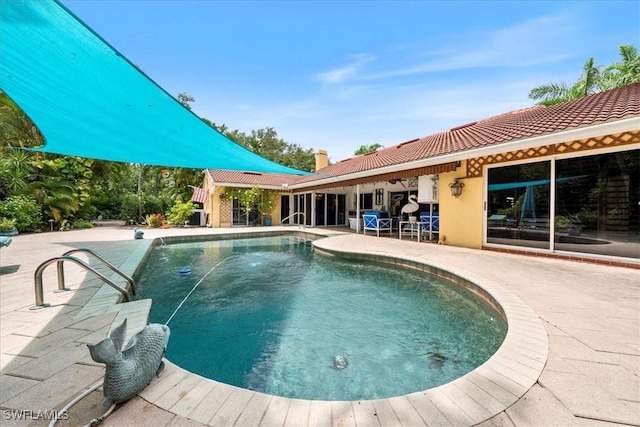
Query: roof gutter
[(245, 185), (609, 128)]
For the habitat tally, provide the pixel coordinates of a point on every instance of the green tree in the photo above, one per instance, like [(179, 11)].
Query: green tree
[(57, 195), (555, 93), (16, 129), (63, 184), (593, 79), (185, 99), (364, 149), (294, 156), (112, 181), (265, 142), (622, 73), (15, 172)]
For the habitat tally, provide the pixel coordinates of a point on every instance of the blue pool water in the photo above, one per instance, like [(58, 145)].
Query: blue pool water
[(275, 318)]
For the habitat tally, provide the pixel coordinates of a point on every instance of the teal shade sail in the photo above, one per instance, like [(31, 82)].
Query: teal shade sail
[(88, 100)]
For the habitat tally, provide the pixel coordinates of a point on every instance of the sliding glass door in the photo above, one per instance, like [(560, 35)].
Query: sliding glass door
[(598, 204), (518, 208), (587, 204)]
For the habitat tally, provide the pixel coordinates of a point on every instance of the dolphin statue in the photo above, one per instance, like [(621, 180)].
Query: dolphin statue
[(130, 370)]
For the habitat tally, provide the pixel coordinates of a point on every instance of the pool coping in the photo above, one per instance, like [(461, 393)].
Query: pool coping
[(475, 397)]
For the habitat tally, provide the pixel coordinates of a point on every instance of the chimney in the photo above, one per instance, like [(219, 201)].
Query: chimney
[(322, 159)]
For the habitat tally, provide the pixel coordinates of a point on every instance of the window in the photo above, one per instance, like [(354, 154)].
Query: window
[(366, 201), (595, 210), (518, 205)]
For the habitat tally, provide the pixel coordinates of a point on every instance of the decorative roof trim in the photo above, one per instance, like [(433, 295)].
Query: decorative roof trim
[(407, 173)]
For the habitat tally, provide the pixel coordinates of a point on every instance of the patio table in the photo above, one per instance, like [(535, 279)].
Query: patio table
[(411, 228)]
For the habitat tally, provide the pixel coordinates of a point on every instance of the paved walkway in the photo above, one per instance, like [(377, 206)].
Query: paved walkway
[(588, 373)]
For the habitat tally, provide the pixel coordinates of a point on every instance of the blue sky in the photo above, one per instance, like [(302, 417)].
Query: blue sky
[(336, 75)]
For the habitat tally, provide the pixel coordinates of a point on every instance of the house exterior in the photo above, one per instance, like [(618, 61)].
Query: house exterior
[(551, 181)]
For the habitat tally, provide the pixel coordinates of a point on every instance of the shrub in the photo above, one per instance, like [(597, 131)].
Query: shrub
[(64, 225), (107, 205), (7, 224), (563, 223), (26, 212), (82, 224), (180, 212), (86, 213), (155, 220), (129, 207), (150, 204)]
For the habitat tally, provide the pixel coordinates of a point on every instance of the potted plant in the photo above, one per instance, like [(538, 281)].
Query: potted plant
[(266, 205), (8, 227)]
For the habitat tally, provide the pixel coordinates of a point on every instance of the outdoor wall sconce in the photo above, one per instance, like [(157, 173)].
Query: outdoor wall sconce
[(456, 187)]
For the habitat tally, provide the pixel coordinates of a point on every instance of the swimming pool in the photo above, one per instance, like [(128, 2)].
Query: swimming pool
[(276, 318)]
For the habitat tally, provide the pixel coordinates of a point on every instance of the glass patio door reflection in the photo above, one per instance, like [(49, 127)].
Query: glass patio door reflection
[(591, 204), (598, 204), (518, 207), (330, 209)]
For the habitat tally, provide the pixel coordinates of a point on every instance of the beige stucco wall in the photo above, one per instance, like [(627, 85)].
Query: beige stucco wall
[(461, 218), (212, 206), (275, 214)]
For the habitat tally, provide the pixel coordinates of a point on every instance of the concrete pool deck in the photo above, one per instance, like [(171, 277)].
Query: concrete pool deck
[(573, 355)]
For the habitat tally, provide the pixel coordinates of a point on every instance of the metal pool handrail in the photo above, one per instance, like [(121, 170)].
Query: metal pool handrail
[(38, 279), (293, 215), (113, 268)]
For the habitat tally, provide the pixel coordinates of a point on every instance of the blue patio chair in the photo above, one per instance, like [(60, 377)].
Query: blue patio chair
[(373, 221), (430, 223)]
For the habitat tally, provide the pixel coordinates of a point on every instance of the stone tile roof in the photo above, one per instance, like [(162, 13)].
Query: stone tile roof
[(538, 120), (251, 178)]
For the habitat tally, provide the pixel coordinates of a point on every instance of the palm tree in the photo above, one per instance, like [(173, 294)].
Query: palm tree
[(15, 170), (622, 73), (592, 80), (57, 195), (555, 93)]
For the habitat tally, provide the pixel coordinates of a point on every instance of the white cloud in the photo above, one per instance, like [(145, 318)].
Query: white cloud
[(347, 72), (537, 41)]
